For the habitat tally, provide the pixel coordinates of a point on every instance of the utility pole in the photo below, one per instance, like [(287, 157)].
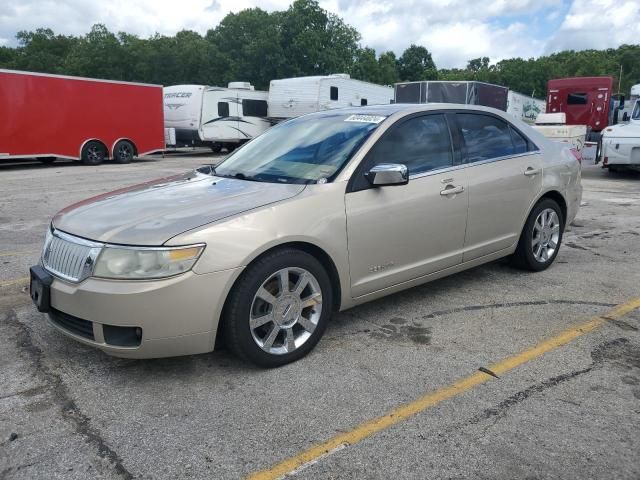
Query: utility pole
[(620, 79)]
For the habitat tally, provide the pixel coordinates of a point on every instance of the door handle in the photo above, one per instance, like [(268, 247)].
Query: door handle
[(451, 190), (530, 171)]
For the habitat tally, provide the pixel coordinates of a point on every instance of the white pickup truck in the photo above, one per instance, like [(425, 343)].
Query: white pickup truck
[(621, 144)]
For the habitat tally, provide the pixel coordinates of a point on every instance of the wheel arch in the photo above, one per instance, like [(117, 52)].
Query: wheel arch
[(556, 196), (135, 147), (315, 251), (94, 140)]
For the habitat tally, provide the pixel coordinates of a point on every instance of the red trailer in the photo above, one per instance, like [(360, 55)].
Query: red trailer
[(584, 101), (48, 116)]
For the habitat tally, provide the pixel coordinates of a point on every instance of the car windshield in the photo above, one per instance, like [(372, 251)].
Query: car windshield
[(636, 111), (307, 149)]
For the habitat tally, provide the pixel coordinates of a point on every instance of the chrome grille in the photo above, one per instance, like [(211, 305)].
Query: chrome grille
[(69, 257)]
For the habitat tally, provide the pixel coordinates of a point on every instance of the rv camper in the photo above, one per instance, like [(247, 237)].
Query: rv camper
[(292, 97), (215, 117), (464, 92)]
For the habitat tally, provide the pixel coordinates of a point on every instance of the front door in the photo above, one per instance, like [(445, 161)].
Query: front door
[(399, 233)]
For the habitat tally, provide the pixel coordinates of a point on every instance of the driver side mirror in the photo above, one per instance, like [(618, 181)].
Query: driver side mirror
[(388, 174)]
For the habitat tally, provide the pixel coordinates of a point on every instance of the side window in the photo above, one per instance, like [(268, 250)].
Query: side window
[(254, 108), (577, 99), (363, 102), (520, 144), (223, 109), (334, 93), (421, 143), (484, 137)]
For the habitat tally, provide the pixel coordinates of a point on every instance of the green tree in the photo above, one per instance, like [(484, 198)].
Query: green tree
[(42, 51), (365, 66), (249, 43), (388, 69), (314, 41), (98, 54), (416, 64), (7, 57)]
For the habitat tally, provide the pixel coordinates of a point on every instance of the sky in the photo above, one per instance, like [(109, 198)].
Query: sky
[(453, 30)]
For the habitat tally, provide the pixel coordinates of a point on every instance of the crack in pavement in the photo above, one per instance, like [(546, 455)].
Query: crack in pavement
[(439, 313), (599, 354), (61, 396)]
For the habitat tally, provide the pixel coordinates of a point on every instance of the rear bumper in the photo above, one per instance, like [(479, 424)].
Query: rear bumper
[(176, 316)]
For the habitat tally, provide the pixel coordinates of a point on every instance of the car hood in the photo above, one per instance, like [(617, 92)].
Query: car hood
[(151, 213), (623, 130)]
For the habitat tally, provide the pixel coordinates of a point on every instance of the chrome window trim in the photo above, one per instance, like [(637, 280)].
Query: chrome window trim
[(92, 244), (473, 164), (78, 240)]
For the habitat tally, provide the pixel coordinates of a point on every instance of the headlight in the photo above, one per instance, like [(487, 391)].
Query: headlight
[(145, 263)]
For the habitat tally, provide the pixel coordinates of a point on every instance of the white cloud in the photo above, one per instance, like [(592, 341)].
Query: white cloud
[(598, 24)]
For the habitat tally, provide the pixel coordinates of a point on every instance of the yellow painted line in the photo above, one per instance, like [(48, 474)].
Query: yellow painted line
[(16, 253), (367, 429), (15, 281)]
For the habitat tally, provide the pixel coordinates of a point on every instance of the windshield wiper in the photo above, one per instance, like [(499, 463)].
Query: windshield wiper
[(238, 176)]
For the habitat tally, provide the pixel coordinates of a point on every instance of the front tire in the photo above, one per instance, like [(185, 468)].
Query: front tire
[(93, 153), (541, 237), (278, 309), (123, 152)]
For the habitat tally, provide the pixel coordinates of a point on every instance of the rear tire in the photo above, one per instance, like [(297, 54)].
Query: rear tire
[(541, 237), (93, 153), (123, 152), (216, 147), (271, 325)]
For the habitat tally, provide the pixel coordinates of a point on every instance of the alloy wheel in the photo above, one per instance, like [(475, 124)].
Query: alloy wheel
[(546, 234), (285, 310)]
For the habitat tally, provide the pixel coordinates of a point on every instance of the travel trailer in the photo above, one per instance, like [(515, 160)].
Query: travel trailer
[(215, 117), (292, 97)]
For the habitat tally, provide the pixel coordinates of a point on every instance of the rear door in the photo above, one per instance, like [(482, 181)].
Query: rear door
[(398, 233), (505, 176), (220, 114)]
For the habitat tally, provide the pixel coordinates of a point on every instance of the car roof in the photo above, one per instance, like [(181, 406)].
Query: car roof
[(388, 110)]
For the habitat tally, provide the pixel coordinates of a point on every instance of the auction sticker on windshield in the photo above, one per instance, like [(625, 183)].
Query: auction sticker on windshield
[(365, 118)]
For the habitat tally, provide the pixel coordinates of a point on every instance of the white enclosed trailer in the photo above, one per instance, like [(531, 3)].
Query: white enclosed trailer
[(524, 107), (292, 97), (214, 116)]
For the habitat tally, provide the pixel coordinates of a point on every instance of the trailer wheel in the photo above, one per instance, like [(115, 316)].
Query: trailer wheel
[(123, 152), (93, 153)]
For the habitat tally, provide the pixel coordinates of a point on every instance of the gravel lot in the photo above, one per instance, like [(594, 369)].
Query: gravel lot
[(69, 411)]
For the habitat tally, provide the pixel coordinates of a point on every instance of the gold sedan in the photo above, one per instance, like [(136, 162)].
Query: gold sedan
[(318, 214)]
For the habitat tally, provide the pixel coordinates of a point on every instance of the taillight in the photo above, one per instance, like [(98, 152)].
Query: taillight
[(576, 153)]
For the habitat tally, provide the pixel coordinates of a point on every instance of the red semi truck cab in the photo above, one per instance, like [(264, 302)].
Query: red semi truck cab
[(47, 116), (584, 101)]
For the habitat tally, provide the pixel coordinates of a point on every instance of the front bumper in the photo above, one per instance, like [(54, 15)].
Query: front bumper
[(176, 316)]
